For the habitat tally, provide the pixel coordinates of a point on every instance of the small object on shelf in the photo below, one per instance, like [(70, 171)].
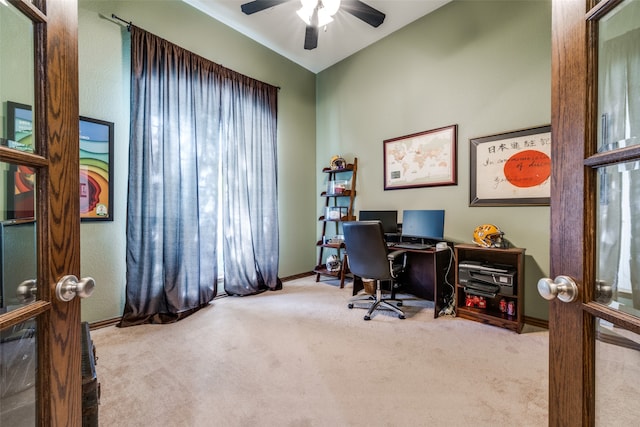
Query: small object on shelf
[(335, 213), (503, 305), (511, 308), (338, 239), (339, 186), (334, 241), (482, 303), (333, 263), (337, 163), (475, 301), (488, 236)]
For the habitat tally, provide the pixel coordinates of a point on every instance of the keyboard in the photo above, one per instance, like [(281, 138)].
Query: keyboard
[(416, 246)]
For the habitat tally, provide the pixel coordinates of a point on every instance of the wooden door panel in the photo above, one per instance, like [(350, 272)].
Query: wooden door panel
[(64, 386), (574, 199), (56, 141), (568, 211)]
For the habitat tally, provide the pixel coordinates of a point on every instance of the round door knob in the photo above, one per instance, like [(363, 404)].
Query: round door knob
[(27, 290), (69, 286), (563, 287)]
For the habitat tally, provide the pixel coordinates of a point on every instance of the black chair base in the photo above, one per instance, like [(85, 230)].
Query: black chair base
[(378, 302), (385, 304)]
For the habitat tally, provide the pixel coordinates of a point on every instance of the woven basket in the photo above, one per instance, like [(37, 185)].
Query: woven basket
[(369, 286)]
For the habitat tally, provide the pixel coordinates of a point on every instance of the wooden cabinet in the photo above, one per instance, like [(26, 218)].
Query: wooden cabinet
[(338, 207), (505, 306)]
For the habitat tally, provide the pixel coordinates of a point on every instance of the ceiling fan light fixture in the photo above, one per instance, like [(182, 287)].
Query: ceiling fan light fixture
[(325, 9), (330, 6)]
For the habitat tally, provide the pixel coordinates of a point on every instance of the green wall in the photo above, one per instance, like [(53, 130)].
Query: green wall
[(483, 65)]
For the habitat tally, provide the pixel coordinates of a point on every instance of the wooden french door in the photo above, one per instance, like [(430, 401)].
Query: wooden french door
[(594, 323), (39, 160)]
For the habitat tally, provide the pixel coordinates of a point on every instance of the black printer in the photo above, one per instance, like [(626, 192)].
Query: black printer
[(487, 280)]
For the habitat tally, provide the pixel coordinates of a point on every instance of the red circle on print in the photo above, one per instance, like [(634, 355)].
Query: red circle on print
[(527, 168)]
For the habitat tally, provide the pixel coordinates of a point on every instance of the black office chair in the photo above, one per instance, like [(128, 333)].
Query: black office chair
[(368, 257)]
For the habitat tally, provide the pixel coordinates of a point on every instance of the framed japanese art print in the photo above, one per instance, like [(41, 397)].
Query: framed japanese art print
[(511, 169), (424, 159)]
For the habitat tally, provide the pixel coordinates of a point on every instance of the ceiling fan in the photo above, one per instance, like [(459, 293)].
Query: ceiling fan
[(318, 13)]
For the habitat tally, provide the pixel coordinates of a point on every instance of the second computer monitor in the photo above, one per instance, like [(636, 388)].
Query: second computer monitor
[(389, 219), (423, 224)]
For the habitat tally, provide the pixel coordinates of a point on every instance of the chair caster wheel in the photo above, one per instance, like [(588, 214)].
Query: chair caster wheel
[(401, 316), (350, 305), (367, 317), (399, 304)]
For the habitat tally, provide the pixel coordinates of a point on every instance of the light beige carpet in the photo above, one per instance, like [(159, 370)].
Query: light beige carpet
[(300, 357)]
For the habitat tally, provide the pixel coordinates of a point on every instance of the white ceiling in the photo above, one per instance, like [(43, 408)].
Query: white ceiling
[(281, 30)]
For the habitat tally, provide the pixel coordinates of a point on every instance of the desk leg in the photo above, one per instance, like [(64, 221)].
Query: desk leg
[(357, 284), (344, 270)]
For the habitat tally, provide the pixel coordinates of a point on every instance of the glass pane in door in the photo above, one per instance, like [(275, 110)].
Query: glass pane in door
[(617, 375), (619, 77), (618, 237), (18, 255), (18, 364), (16, 79), (618, 233)]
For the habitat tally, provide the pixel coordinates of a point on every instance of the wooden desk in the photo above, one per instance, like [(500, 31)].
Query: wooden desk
[(424, 276)]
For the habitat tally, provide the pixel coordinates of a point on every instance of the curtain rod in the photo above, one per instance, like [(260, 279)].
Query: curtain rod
[(129, 23)]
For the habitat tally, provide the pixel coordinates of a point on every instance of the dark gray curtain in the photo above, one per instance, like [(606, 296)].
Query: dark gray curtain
[(194, 122)]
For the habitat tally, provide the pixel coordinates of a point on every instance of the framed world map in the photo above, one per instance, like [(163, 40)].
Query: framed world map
[(424, 159)]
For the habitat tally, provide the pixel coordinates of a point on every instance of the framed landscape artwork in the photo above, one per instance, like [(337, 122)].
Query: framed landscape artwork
[(424, 159), (511, 169)]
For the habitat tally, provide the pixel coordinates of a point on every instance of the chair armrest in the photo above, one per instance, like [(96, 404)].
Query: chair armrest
[(394, 266), (391, 256)]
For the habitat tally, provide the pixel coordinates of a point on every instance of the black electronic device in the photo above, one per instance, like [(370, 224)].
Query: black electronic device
[(423, 225), (484, 277), (389, 219), (481, 289)]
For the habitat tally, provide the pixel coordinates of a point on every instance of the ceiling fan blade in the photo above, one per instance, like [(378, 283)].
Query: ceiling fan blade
[(363, 11), (311, 37), (258, 5)]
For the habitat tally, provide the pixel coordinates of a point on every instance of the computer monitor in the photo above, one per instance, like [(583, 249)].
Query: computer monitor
[(389, 219), (423, 224)]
